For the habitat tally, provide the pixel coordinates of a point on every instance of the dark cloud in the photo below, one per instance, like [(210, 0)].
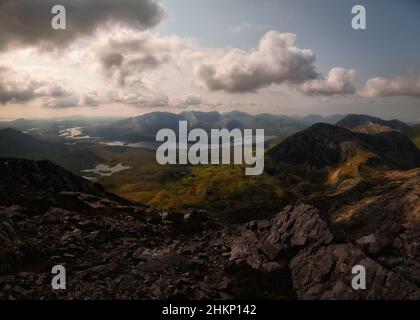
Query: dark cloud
[(111, 59), (16, 95), (28, 23)]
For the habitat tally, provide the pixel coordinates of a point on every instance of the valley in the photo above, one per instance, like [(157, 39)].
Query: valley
[(339, 158)]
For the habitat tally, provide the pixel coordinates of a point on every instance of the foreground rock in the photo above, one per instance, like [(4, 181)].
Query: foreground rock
[(319, 259), (116, 249)]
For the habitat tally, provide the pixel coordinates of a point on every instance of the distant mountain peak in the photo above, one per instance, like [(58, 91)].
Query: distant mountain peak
[(368, 124)]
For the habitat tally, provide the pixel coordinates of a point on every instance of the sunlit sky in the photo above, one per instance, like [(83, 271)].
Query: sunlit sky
[(291, 57)]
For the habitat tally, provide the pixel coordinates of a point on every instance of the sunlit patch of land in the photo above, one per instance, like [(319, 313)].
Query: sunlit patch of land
[(350, 168), (221, 189)]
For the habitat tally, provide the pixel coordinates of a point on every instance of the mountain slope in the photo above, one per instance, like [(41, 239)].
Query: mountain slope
[(18, 175), (15, 144), (323, 145)]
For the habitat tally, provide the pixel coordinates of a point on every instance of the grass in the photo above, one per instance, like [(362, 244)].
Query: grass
[(223, 190)]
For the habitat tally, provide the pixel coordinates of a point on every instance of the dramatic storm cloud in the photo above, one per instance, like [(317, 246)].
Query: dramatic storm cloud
[(277, 60), (407, 85), (28, 23), (338, 81)]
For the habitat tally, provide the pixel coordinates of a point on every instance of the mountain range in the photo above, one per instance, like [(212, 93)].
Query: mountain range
[(145, 127)]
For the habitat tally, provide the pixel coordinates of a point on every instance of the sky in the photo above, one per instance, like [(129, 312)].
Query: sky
[(292, 57)]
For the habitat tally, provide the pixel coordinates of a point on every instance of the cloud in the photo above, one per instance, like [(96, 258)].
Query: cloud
[(338, 81), (90, 99), (125, 55), (61, 102), (55, 90), (14, 88), (146, 99), (28, 23), (22, 87), (51, 92), (189, 101), (402, 86), (277, 60)]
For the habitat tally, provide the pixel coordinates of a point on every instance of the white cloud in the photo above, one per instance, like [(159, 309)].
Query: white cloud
[(338, 81), (277, 60), (189, 100), (124, 55), (21, 86), (136, 99), (406, 85)]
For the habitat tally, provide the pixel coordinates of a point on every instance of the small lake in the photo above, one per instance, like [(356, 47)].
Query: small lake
[(73, 133), (105, 170)]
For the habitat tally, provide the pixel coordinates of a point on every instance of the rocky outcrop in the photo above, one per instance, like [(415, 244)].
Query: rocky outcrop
[(110, 250), (319, 259)]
